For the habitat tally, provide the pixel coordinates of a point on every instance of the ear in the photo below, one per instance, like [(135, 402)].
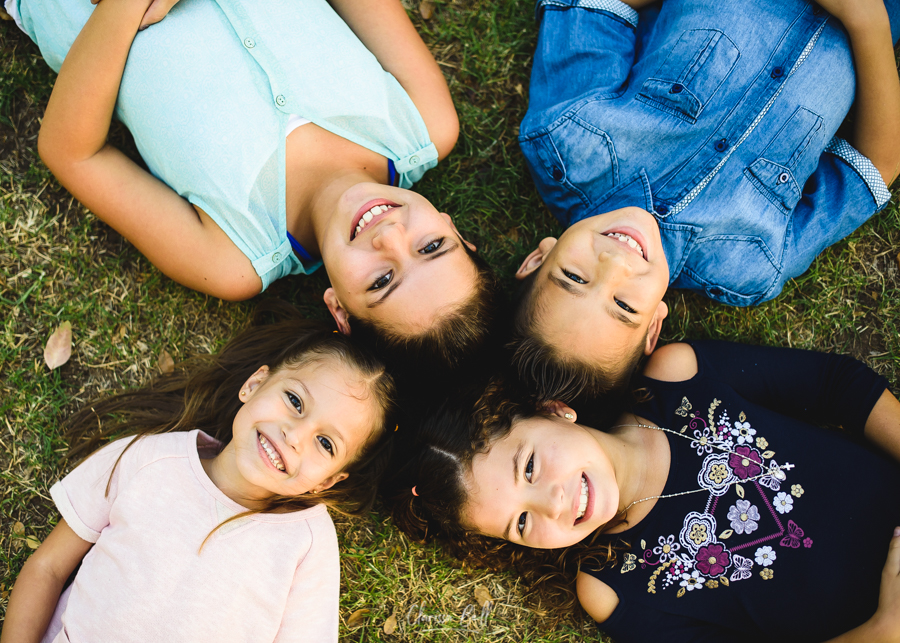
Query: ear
[(560, 409), (329, 482), (341, 318), (470, 246), (662, 310), (536, 259), (252, 382)]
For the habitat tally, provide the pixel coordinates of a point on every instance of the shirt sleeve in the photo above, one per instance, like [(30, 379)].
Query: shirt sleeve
[(824, 388), (311, 613), (583, 46), (82, 497), (843, 193)]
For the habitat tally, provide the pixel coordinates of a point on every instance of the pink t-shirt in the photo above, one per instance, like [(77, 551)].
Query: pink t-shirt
[(266, 577)]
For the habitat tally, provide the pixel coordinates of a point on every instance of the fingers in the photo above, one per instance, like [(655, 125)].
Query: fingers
[(892, 566), (156, 12)]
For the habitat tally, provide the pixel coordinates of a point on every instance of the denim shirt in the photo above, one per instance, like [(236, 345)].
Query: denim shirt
[(719, 119)]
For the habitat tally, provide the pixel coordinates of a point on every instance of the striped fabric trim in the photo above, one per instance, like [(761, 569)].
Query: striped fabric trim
[(864, 167), (615, 7)]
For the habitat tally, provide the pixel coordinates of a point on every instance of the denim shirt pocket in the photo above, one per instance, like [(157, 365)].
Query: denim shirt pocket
[(738, 270), (774, 173), (698, 64), (573, 163)]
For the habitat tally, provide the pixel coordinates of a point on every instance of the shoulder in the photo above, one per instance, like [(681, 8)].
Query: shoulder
[(672, 363), (597, 598)]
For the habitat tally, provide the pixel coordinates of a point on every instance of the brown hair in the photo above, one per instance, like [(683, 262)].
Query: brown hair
[(449, 343), (203, 394), (552, 375), (447, 443)]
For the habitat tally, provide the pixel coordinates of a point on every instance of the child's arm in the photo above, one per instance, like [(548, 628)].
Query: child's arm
[(883, 425), (40, 584), (386, 31), (877, 126), (186, 246)]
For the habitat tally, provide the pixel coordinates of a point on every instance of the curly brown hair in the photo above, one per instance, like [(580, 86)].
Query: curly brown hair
[(428, 495), (202, 393)]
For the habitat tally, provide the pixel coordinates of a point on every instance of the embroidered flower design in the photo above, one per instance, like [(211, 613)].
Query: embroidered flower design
[(712, 584), (765, 556), (712, 560), (692, 581), (745, 462), (715, 476), (698, 530), (667, 548), (767, 574), (743, 517), (783, 503), (725, 441), (775, 478), (807, 542), (742, 567), (743, 432), (703, 441), (796, 490), (762, 443)]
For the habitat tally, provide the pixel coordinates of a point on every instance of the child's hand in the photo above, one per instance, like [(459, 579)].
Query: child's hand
[(157, 10), (886, 620)]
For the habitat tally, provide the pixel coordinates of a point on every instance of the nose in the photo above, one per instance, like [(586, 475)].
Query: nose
[(294, 434), (614, 265), (555, 502), (390, 236)]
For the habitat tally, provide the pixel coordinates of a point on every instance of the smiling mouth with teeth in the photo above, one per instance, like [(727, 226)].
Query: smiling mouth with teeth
[(628, 241), (367, 217), (583, 503), (273, 455)]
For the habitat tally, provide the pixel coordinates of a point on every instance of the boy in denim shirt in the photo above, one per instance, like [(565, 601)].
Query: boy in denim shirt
[(693, 146)]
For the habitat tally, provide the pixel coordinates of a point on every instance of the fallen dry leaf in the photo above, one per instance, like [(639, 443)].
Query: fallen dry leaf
[(59, 347), (19, 529), (390, 625), (120, 333), (357, 617), (32, 542), (482, 596), (166, 364), (426, 8)]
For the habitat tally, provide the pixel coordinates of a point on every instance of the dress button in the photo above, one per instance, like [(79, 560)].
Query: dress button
[(557, 173), (662, 209), (276, 257), (280, 100), (413, 160), (676, 89), (778, 72), (721, 145), (249, 43), (783, 177)]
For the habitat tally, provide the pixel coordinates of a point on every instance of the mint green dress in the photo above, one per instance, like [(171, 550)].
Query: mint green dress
[(207, 94)]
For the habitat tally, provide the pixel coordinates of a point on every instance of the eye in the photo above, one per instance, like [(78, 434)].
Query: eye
[(621, 304), (574, 277), (295, 401), (529, 468), (326, 444), (432, 247), (382, 281), (520, 526)]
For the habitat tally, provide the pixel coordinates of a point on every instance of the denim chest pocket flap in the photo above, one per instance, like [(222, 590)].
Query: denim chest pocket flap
[(773, 173), (573, 163), (696, 66)]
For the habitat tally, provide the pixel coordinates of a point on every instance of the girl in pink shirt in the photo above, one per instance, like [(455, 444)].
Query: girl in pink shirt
[(210, 523)]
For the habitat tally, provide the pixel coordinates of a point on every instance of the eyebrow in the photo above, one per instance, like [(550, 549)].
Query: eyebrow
[(566, 285), (396, 284), (515, 461), (622, 317)]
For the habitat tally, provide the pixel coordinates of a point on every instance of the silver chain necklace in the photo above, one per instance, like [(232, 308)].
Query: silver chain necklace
[(766, 472)]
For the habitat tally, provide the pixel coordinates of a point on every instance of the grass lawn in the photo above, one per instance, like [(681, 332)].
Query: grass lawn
[(57, 263)]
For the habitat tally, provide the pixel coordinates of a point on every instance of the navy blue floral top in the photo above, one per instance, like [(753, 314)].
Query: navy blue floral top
[(788, 534)]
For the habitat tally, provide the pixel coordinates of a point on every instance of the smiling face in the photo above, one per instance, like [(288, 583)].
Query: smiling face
[(548, 483), (598, 289), (298, 429), (393, 259)]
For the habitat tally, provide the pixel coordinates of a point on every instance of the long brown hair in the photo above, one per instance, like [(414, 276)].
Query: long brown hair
[(203, 394), (447, 442)]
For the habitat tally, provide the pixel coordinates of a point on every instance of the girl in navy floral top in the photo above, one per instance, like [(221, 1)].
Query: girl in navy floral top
[(715, 511)]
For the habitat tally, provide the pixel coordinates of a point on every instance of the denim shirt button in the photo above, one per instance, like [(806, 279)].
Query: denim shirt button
[(676, 89), (783, 177), (557, 173), (816, 10), (715, 291), (662, 209), (778, 72), (721, 145)]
